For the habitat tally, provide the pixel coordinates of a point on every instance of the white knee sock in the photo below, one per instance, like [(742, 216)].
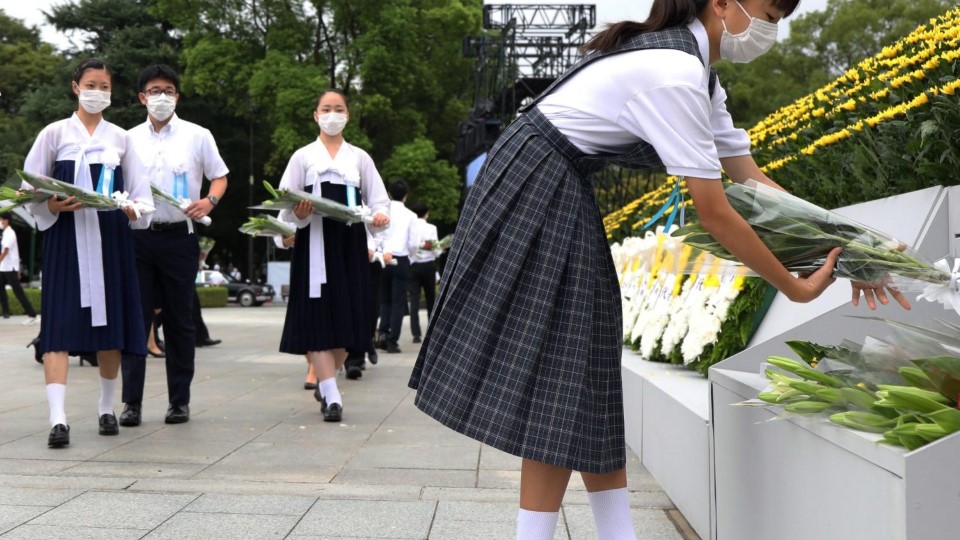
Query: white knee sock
[(532, 525), (108, 388), (56, 396), (330, 392), (611, 512)]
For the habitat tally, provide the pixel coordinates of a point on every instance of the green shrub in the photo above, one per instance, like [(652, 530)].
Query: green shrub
[(33, 295), (212, 297)]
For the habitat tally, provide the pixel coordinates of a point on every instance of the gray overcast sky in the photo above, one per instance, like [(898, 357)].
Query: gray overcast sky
[(607, 11)]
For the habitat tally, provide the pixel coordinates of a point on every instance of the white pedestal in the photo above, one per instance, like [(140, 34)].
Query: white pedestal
[(667, 415)]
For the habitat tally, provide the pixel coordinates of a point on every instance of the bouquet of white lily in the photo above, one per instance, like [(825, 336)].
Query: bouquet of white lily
[(285, 199), (182, 204), (51, 187), (264, 225), (17, 198), (801, 234)]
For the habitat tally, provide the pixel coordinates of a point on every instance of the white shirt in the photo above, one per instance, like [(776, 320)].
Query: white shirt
[(179, 146), (401, 237), (11, 262), (425, 232), (61, 141), (656, 95)]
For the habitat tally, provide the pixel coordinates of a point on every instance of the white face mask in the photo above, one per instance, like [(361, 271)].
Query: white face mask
[(744, 47), (161, 107), (332, 123), (94, 101)]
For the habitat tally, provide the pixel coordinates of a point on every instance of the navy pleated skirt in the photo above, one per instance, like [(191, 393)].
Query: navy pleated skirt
[(65, 326), (340, 318), (524, 345)]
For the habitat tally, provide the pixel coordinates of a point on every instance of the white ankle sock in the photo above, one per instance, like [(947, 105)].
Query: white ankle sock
[(611, 512), (108, 389), (56, 396), (532, 525), (330, 392)]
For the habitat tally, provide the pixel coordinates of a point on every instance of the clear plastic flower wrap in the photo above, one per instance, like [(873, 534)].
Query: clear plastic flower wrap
[(283, 199), (264, 225), (801, 234), (46, 187), (161, 195), (904, 387)]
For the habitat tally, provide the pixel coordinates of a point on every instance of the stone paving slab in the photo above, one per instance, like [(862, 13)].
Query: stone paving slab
[(257, 461)]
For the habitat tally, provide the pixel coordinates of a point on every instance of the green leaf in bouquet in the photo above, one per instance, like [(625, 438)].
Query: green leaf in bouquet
[(916, 377), (863, 421), (948, 419), (944, 373), (808, 407)]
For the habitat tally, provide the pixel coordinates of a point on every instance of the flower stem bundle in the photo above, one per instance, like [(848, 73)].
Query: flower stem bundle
[(264, 225), (285, 199)]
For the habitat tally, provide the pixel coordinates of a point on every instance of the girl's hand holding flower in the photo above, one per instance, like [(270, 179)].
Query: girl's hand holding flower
[(57, 205), (303, 209)]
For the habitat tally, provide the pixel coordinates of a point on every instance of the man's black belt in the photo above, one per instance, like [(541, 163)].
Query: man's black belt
[(169, 226)]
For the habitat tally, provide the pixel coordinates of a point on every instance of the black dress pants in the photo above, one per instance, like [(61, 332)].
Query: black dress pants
[(394, 285), (422, 277), (13, 280), (167, 262)]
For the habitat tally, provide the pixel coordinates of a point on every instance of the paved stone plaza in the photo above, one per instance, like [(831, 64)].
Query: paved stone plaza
[(257, 461)]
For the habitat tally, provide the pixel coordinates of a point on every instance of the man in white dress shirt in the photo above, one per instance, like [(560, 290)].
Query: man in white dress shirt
[(176, 155), (423, 268), (10, 272), (400, 241)]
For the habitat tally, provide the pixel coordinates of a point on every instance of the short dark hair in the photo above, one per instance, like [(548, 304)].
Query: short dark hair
[(89, 63), (420, 209), (5, 216), (398, 189), (335, 91), (158, 71)]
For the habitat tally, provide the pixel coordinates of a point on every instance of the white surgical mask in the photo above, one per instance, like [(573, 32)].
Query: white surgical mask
[(94, 101), (744, 47), (161, 107), (332, 123)]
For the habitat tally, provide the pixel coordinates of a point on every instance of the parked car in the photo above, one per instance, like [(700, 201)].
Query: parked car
[(244, 293)]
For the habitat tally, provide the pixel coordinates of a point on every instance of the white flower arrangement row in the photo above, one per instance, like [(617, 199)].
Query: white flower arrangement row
[(669, 300)]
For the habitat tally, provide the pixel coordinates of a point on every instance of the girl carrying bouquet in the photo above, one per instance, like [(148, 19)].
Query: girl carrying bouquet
[(90, 299)]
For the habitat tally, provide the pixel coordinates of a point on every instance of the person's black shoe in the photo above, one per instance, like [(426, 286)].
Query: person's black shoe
[(323, 402), (108, 424), (416, 339), (209, 342), (354, 372), (309, 385), (59, 436), (334, 413), (380, 344), (393, 349), (158, 354), (90, 358), (372, 357), (130, 417), (363, 366), (37, 355), (162, 345), (6, 315), (177, 414)]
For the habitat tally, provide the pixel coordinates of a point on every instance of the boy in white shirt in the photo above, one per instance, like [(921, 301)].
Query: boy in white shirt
[(10, 273), (400, 241)]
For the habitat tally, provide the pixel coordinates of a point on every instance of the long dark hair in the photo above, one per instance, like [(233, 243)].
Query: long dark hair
[(663, 14)]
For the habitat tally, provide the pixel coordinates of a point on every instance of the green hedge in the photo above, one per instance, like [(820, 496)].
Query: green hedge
[(210, 297), (33, 295)]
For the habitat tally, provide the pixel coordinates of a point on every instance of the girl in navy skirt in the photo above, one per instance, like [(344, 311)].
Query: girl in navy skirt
[(90, 299), (329, 277), (523, 350)]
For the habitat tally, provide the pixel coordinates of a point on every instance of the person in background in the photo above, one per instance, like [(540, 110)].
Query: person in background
[(177, 155), (399, 241), (329, 289), (91, 301), (423, 268), (10, 273)]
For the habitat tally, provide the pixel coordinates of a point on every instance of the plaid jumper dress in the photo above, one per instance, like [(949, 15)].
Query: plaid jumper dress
[(523, 349)]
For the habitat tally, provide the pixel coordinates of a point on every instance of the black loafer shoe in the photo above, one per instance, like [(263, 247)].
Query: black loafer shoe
[(177, 414), (130, 417), (334, 413), (209, 342), (416, 339), (372, 357), (393, 349), (59, 436), (108, 424), (354, 372), (380, 344), (323, 402), (309, 385)]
